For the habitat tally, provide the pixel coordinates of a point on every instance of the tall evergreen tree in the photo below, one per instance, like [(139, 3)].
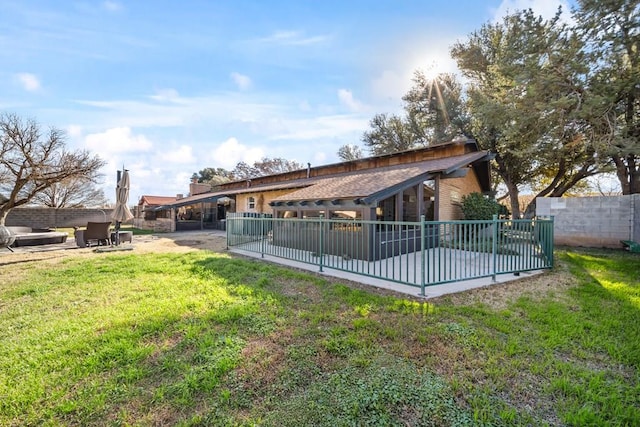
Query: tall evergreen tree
[(526, 88), (612, 30)]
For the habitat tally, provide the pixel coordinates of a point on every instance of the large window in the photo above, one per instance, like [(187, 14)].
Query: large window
[(286, 214), (312, 214), (346, 220)]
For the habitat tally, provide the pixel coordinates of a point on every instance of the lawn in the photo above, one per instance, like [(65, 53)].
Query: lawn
[(202, 338)]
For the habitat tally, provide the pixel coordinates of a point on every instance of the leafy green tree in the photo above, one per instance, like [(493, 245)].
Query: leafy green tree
[(266, 166), (434, 112), (349, 152), (435, 108), (612, 30), (526, 88), (389, 134), (214, 176)]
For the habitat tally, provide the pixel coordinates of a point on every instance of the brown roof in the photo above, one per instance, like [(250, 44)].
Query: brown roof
[(349, 185), (370, 182), (156, 200)]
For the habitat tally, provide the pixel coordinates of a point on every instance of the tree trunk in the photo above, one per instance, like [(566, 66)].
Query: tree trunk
[(513, 197), (3, 215)]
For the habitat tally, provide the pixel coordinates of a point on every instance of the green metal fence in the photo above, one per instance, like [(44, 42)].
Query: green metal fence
[(418, 254)]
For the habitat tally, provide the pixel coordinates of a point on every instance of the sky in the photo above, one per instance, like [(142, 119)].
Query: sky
[(166, 88)]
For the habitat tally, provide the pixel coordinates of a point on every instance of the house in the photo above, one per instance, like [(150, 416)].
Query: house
[(402, 186), (147, 217)]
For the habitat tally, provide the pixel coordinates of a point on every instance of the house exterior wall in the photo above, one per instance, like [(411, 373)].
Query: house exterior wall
[(451, 192), (262, 205), (592, 221)]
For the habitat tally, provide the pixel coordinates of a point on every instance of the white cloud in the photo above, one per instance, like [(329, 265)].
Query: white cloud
[(183, 154), (112, 6), (231, 151), (293, 38), (323, 127), (346, 98), (115, 141), (29, 82), (74, 131), (243, 82), (166, 95), (545, 8)]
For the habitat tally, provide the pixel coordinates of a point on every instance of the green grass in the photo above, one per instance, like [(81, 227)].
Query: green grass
[(205, 339)]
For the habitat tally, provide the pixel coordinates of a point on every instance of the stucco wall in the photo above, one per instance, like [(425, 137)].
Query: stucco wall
[(262, 205), (593, 221), (37, 217)]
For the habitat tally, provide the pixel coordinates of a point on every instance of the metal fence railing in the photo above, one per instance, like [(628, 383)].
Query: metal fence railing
[(418, 254)]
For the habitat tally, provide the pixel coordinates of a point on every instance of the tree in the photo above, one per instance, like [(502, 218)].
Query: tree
[(526, 91), (214, 176), (434, 113), (349, 152), (612, 29), (31, 162), (264, 167), (389, 134), (76, 192), (435, 108)]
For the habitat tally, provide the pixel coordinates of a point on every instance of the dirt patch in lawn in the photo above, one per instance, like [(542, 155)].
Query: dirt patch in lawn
[(551, 284)]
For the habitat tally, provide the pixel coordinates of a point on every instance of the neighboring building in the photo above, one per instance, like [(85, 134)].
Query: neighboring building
[(402, 186), (148, 217)]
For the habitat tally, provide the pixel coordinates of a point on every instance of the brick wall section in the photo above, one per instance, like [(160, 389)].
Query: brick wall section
[(160, 225), (451, 192), (37, 217), (593, 221)]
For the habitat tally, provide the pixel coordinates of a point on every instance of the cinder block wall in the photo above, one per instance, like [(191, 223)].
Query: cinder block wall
[(38, 217), (593, 221)]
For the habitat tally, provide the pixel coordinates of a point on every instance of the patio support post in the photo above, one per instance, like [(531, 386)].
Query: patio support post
[(422, 256), (321, 240), (420, 200), (399, 207), (262, 239), (494, 246), (201, 215)]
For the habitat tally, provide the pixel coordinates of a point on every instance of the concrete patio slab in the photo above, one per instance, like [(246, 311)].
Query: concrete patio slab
[(430, 291)]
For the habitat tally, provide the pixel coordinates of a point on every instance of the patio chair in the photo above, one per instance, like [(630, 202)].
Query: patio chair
[(95, 232)]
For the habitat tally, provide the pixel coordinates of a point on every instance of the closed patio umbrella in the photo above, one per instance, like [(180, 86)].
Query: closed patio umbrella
[(121, 212)]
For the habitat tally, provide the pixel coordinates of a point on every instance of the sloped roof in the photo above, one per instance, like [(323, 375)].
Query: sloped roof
[(369, 183), (156, 200), (365, 184)]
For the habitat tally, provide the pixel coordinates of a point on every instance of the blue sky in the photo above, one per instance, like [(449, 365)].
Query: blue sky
[(168, 88)]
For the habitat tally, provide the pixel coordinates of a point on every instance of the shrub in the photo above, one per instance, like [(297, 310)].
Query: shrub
[(476, 206)]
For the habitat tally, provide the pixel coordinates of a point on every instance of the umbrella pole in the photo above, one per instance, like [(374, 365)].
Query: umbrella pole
[(118, 178)]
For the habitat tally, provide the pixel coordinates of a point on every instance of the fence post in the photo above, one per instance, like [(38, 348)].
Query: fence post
[(422, 255), (494, 246), (551, 244), (228, 227), (321, 250), (262, 239)]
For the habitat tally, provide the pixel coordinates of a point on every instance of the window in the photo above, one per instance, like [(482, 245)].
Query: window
[(287, 214), (346, 220), (251, 203), (312, 214)]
